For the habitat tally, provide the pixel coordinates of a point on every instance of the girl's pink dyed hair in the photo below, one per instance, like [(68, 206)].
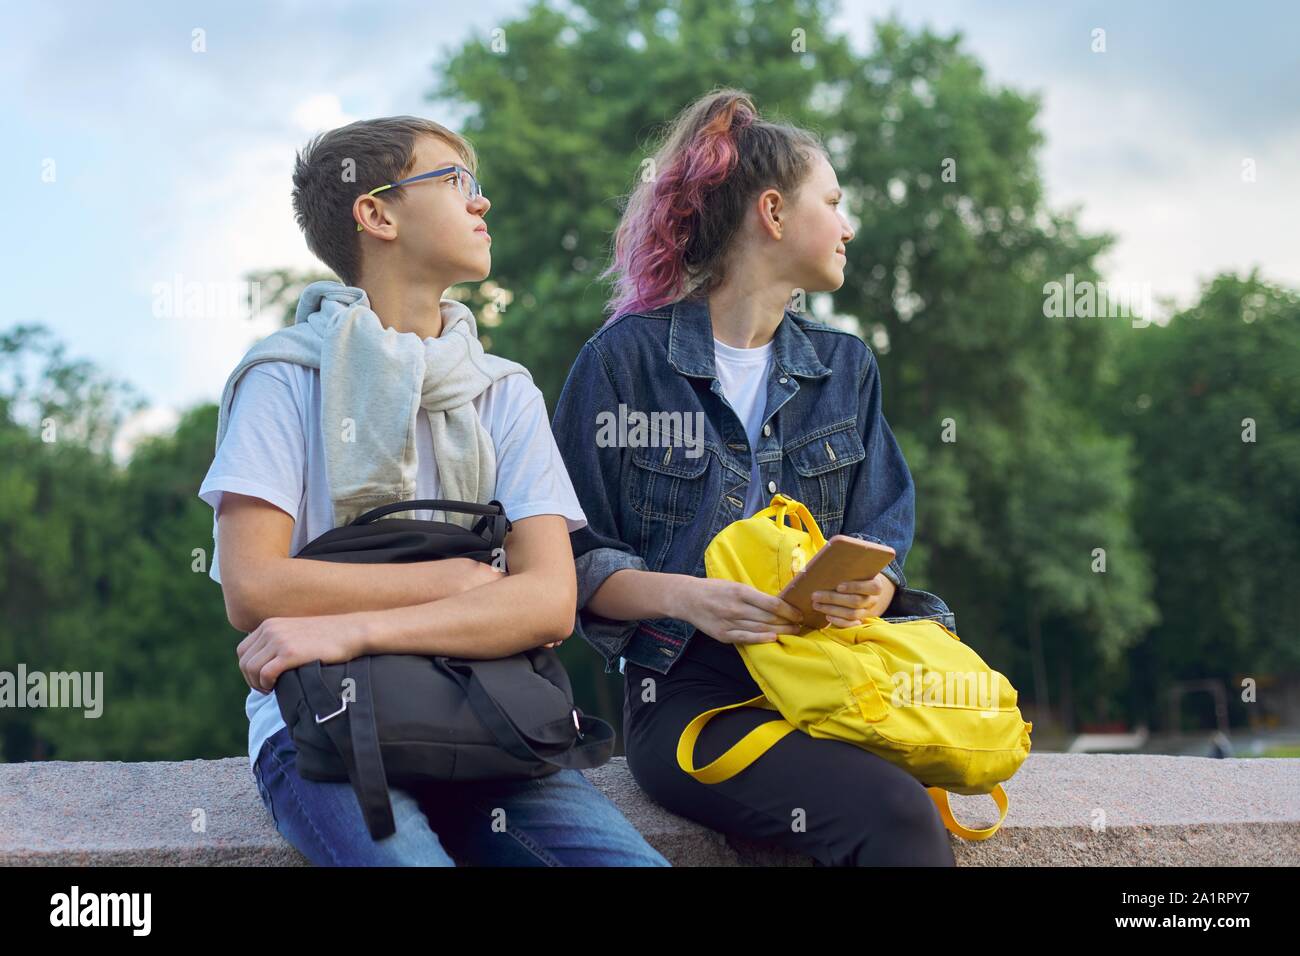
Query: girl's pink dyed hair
[(716, 156)]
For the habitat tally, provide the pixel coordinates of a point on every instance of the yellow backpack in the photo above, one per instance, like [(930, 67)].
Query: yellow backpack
[(908, 691)]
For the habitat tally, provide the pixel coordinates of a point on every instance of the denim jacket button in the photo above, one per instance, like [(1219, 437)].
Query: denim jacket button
[(783, 380), (666, 650), (771, 486), (767, 429)]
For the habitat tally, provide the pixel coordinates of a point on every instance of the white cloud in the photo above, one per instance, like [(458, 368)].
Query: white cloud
[(1137, 167), (320, 112), (227, 218)]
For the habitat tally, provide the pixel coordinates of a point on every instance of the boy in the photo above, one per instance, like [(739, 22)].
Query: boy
[(281, 477)]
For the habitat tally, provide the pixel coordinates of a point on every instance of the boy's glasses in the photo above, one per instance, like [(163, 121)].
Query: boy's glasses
[(465, 181)]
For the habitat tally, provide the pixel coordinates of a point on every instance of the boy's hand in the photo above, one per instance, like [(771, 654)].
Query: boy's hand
[(853, 601), (280, 644)]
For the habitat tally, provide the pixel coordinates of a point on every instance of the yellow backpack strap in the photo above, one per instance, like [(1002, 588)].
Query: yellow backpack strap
[(784, 508), (741, 754), (940, 798)]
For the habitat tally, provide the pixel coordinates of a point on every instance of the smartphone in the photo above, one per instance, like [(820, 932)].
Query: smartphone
[(843, 559)]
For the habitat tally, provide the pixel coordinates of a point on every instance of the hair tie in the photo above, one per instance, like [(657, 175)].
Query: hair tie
[(743, 118)]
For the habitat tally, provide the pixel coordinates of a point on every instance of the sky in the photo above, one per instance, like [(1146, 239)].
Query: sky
[(134, 162)]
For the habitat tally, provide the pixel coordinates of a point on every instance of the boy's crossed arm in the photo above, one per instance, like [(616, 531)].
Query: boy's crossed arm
[(336, 617), (259, 580)]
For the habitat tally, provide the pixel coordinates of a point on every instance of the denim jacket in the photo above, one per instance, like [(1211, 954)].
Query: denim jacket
[(656, 497)]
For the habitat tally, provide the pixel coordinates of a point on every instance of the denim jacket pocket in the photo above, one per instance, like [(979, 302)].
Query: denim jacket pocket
[(667, 484), (823, 461)]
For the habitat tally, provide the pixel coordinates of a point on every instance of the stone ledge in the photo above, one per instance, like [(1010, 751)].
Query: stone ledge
[(1158, 811)]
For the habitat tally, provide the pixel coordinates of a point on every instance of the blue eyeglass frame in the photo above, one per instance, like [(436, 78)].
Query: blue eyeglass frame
[(476, 188)]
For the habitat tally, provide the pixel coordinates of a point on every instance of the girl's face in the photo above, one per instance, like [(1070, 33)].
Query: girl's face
[(814, 232)]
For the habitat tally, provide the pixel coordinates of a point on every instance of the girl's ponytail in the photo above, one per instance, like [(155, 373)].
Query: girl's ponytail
[(717, 154)]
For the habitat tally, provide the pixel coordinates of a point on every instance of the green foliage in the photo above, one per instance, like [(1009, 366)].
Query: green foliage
[(565, 116), (1220, 512), (98, 575), (172, 688)]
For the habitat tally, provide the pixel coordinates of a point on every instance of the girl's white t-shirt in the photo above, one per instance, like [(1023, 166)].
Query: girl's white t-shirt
[(743, 375), (274, 450)]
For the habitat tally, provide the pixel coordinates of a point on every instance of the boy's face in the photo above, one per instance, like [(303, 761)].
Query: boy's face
[(440, 231)]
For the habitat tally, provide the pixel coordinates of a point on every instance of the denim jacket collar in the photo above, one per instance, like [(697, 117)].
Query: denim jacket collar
[(690, 343)]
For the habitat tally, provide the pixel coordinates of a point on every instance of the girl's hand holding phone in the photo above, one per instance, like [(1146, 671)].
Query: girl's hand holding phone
[(853, 601)]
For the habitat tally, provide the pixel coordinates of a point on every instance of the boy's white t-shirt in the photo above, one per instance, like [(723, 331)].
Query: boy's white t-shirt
[(274, 449), (743, 375)]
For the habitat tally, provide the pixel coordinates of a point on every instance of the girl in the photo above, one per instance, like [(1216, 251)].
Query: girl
[(740, 213)]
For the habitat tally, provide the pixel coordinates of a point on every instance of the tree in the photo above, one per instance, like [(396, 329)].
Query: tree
[(562, 117), (1212, 403)]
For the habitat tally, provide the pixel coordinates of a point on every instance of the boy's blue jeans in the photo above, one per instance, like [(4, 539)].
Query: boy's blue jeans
[(557, 820)]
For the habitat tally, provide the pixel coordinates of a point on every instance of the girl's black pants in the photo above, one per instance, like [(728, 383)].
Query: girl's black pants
[(827, 799)]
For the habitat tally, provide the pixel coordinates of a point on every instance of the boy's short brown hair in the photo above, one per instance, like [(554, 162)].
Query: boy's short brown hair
[(336, 167)]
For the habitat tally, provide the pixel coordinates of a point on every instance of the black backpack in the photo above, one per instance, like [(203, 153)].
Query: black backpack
[(411, 718)]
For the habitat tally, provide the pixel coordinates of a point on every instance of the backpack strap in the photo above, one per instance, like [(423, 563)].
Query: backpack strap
[(940, 798), (488, 690), (785, 508), (741, 754), (762, 738), (357, 743)]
